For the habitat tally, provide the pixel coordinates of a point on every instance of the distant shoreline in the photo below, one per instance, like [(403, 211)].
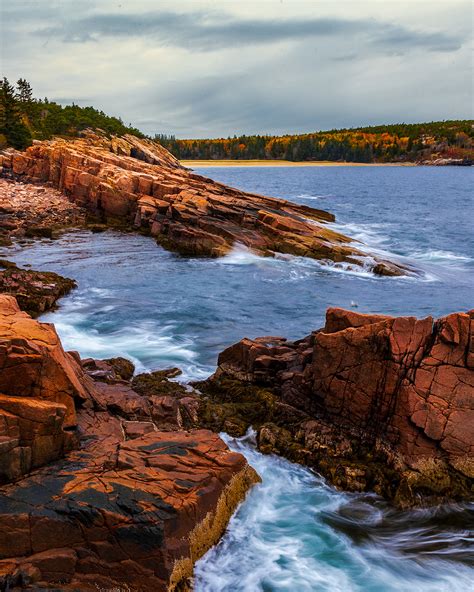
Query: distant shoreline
[(285, 163)]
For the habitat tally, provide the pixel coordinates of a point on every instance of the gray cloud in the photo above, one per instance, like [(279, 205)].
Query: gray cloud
[(208, 31), (265, 67)]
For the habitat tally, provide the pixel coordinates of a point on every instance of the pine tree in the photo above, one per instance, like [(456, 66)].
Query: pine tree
[(11, 125), (24, 91)]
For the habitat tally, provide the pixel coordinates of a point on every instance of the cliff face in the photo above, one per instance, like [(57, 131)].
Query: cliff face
[(137, 182), (134, 495), (389, 398)]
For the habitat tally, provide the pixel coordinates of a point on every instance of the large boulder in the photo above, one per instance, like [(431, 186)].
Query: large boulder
[(389, 398), (409, 382), (33, 363), (39, 387)]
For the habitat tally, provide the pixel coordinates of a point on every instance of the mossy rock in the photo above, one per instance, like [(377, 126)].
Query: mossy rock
[(122, 367), (39, 232), (158, 383)]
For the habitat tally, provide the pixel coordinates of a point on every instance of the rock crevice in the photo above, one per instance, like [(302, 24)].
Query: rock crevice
[(390, 392)]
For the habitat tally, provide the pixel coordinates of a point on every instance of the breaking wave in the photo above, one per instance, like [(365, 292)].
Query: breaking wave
[(439, 256), (84, 323)]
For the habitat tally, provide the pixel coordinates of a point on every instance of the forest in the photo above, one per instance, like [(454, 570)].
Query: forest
[(24, 118), (387, 143)]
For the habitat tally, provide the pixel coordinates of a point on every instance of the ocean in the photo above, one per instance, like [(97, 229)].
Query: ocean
[(134, 299)]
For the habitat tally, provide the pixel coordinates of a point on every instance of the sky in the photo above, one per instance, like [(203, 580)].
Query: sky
[(199, 69)]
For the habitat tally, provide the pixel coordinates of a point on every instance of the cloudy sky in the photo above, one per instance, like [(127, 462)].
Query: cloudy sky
[(200, 68)]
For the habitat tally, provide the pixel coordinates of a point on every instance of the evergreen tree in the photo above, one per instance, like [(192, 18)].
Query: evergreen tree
[(12, 126), (25, 92)]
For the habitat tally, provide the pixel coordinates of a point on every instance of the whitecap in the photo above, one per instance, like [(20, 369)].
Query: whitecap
[(242, 255), (368, 234), (440, 256)]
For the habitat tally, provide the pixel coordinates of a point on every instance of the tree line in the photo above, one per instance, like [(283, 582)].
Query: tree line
[(24, 118), (389, 143)]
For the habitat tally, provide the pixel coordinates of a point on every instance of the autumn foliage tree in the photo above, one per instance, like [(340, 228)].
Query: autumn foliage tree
[(399, 142)]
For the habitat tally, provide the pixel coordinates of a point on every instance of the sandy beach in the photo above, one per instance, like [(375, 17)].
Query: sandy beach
[(285, 163)]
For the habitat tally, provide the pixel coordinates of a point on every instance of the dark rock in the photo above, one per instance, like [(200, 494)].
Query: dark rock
[(372, 402), (39, 232), (35, 291)]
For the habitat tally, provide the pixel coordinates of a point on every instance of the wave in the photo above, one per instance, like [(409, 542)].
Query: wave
[(440, 256), (374, 241), (84, 324), (242, 255), (300, 267), (368, 234), (294, 532)]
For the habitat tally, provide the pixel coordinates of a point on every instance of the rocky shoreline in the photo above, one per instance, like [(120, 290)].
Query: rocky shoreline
[(372, 402), (138, 185), (136, 493), (119, 481), (130, 470)]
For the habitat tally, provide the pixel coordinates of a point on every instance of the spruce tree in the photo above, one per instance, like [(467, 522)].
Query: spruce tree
[(11, 125), (24, 91)]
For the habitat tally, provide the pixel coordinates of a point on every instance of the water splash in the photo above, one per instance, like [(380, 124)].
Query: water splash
[(294, 532), (84, 323)]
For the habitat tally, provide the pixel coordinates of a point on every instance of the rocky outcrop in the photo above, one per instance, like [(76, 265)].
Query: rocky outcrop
[(34, 211), (35, 291), (373, 402), (132, 498), (126, 514), (39, 387), (137, 183), (447, 162)]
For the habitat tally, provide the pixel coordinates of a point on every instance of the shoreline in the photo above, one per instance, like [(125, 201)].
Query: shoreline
[(288, 163)]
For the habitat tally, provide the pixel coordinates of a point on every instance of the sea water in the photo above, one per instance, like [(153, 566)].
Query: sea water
[(294, 532)]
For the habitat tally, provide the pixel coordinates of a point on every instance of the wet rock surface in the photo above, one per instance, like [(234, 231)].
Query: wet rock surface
[(372, 402), (35, 291), (132, 183), (100, 485)]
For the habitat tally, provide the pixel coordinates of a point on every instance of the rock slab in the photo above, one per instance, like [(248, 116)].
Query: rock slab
[(136, 183), (102, 486)]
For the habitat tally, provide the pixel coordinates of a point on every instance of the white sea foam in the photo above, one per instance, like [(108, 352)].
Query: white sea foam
[(279, 541), (368, 234), (295, 267), (142, 342), (440, 256), (242, 255)]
